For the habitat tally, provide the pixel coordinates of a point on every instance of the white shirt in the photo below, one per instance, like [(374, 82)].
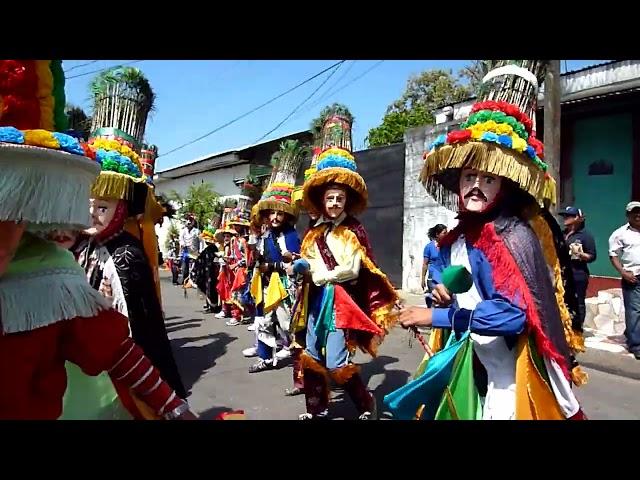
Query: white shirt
[(191, 240), (625, 244)]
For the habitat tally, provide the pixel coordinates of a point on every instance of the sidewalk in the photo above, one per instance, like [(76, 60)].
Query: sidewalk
[(603, 354)]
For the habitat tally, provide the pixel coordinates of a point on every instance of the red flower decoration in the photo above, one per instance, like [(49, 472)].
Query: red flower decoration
[(88, 151), (537, 146), (20, 112), (458, 136)]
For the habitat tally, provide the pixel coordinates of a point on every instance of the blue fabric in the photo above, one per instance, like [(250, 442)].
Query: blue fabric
[(336, 354), (291, 240), (429, 387), (494, 315), (265, 352), (631, 298), (432, 254)]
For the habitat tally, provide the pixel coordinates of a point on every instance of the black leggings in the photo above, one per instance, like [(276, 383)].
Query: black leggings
[(581, 284)]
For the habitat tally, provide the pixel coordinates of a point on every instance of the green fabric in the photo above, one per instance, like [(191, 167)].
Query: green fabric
[(461, 400), (91, 398), (326, 321), (538, 361), (35, 254), (457, 279)]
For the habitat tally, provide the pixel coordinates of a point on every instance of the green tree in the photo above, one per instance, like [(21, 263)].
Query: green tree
[(79, 121), (201, 200), (424, 93), (475, 72), (173, 236)]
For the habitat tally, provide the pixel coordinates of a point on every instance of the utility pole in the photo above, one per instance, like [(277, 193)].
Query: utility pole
[(552, 107)]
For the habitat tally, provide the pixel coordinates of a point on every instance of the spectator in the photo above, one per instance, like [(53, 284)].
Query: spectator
[(582, 249), (189, 246), (624, 252), (431, 258)]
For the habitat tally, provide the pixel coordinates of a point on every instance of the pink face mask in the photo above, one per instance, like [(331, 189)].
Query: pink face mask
[(335, 200), (478, 190)]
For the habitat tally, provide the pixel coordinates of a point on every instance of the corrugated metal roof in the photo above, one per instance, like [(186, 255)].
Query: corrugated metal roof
[(228, 152)]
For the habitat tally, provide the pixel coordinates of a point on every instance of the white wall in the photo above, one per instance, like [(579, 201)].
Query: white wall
[(221, 179), (421, 211)]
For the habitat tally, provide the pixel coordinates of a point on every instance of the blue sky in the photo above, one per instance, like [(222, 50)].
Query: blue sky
[(196, 96)]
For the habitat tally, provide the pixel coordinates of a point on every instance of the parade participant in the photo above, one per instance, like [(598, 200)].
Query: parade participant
[(276, 249), (115, 260), (511, 315), (206, 270), (225, 236), (45, 180), (240, 222), (350, 301)]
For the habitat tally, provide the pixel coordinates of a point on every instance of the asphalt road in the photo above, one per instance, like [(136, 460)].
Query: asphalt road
[(209, 354)]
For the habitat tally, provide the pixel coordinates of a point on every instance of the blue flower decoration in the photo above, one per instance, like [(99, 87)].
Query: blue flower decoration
[(505, 140), (333, 161), (489, 137), (531, 151), (68, 143), (441, 140), (11, 135)]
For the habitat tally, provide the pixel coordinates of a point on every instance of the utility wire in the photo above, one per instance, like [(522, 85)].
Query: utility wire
[(302, 103), (240, 117)]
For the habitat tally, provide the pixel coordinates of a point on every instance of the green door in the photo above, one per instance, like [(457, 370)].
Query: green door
[(601, 165)]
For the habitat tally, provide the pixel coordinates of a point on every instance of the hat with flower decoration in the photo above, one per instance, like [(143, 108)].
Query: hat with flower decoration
[(45, 175), (278, 195), (335, 163), (498, 137)]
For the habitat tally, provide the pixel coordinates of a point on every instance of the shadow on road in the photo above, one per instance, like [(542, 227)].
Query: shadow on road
[(213, 412), (194, 361), (183, 325), (342, 406)]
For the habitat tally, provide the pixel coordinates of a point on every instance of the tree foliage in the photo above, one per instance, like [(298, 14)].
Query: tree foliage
[(425, 92), (201, 200)]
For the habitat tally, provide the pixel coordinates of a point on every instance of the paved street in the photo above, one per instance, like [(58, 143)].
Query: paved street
[(209, 354)]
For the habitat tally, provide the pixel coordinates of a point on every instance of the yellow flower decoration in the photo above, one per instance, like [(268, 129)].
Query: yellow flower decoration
[(40, 138), (504, 129), (518, 143), (335, 151), (476, 132)]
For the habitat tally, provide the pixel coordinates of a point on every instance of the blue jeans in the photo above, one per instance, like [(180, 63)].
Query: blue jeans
[(335, 355), (631, 297)]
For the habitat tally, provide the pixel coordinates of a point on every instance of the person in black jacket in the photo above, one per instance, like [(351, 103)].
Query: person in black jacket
[(582, 250)]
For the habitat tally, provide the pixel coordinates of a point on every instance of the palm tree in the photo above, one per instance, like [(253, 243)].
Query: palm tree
[(201, 200), (123, 99), (475, 72), (78, 120)]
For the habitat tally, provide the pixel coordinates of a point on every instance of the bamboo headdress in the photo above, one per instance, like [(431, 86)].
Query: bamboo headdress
[(335, 163), (45, 176), (498, 137), (286, 165)]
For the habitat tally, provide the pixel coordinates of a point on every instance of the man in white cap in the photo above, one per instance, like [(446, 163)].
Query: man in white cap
[(624, 252)]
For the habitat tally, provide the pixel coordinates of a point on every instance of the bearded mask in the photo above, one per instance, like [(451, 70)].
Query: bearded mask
[(478, 190), (335, 201), (107, 216), (276, 219)]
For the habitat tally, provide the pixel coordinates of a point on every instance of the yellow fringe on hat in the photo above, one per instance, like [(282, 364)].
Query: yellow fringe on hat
[(341, 176), (545, 236), (263, 205), (487, 157), (549, 192), (113, 185)]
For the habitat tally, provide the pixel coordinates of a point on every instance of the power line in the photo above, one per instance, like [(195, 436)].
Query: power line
[(252, 110), (81, 65), (358, 77), (303, 102), (328, 92), (102, 69)]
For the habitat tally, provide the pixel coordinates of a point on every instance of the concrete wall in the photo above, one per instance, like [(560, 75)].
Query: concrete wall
[(421, 211)]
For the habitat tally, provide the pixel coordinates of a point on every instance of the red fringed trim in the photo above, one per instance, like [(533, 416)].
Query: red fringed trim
[(510, 283)]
